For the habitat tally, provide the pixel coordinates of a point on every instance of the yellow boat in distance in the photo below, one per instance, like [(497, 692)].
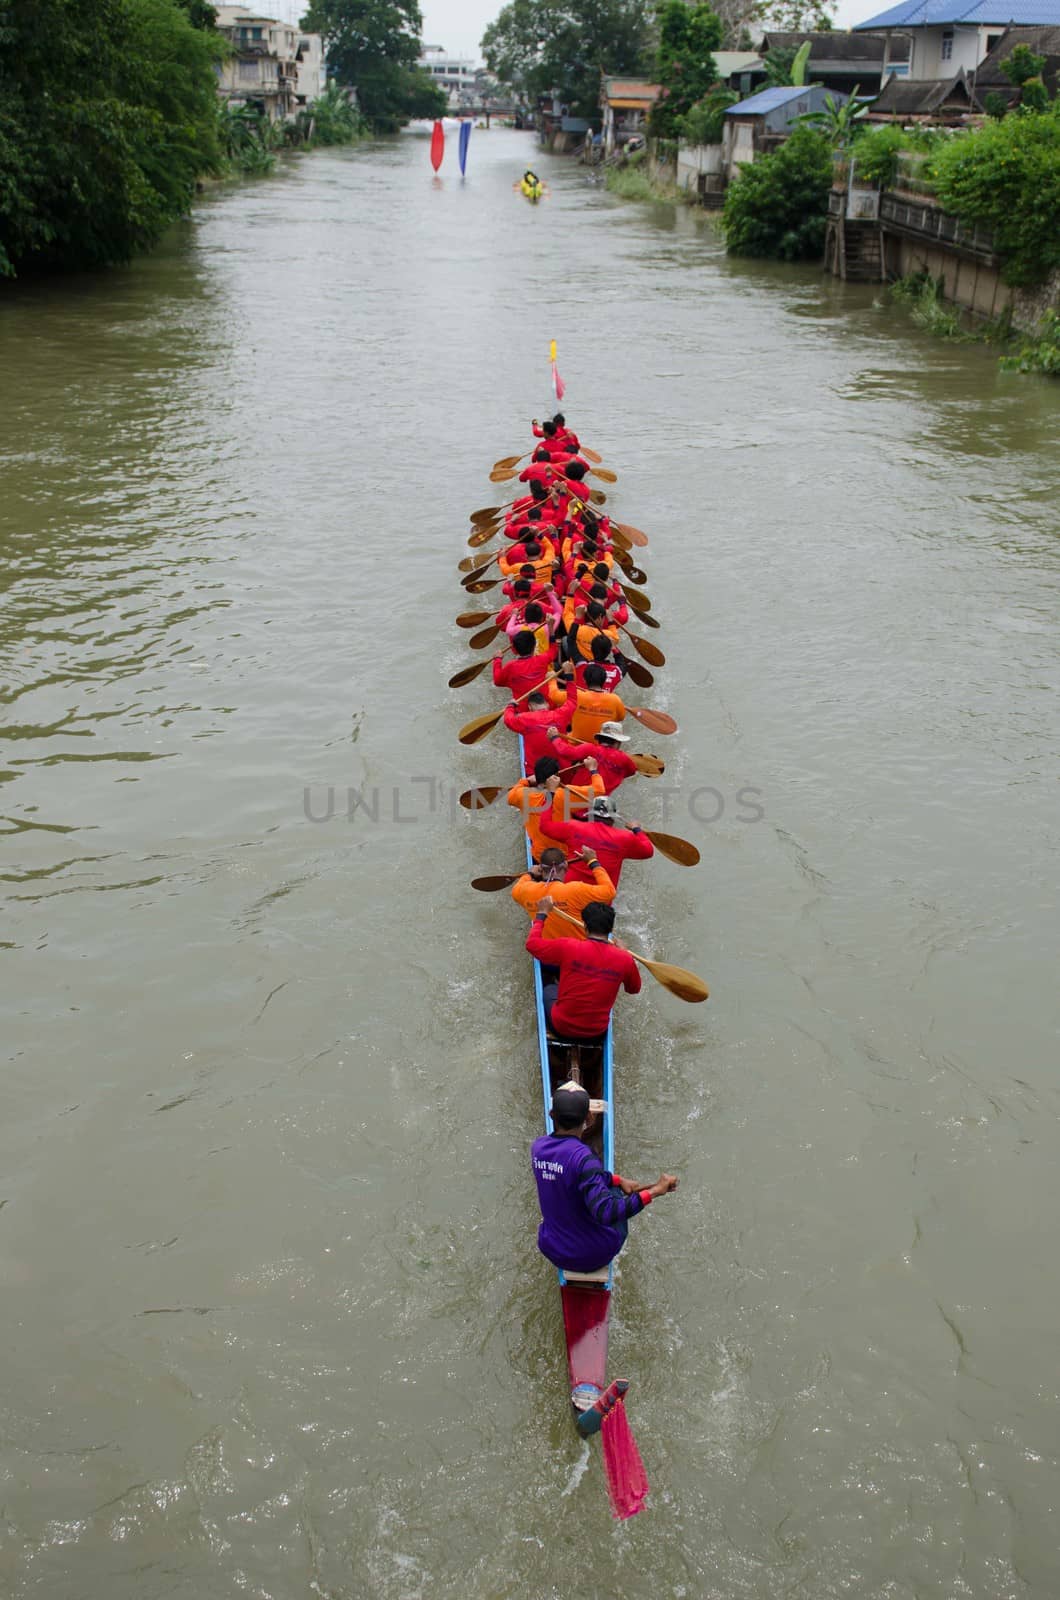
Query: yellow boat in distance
[(531, 186)]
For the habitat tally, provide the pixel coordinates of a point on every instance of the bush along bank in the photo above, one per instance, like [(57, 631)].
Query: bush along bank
[(1036, 352)]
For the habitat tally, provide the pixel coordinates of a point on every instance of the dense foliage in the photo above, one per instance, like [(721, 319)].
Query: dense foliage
[(1007, 176), (108, 115), (1041, 352), (373, 46), (876, 150), (541, 47), (684, 63), (777, 207), (704, 123)]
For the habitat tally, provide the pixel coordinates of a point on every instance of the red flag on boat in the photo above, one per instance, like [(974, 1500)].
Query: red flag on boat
[(627, 1482), (437, 146)]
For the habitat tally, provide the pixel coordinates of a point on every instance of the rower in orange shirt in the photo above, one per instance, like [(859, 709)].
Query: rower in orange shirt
[(595, 705), (570, 897), (535, 797), (538, 553), (591, 622)]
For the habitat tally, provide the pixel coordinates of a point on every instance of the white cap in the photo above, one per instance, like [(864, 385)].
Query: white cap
[(613, 730)]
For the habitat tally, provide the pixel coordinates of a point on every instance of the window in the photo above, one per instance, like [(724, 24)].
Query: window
[(991, 40), (248, 71), (946, 52)]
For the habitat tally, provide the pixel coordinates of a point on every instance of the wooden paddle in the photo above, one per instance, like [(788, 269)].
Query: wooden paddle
[(481, 585), (670, 845), (510, 461), (479, 799), (636, 597), (605, 473), (502, 880), (479, 641), (648, 766), (684, 984), (638, 674), (657, 721), (634, 535), (468, 674), (503, 475), (473, 619), (590, 455), (483, 534), (483, 566), (478, 727), (644, 647), (619, 540)]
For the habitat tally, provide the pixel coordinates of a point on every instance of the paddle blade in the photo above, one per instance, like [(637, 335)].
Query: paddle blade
[(674, 848), (597, 496), (627, 1481), (645, 616), (591, 455), (620, 541), (503, 880), (480, 585), (478, 727), (657, 721), (483, 534), (473, 619), (648, 766), (636, 597), (634, 535), (639, 675), (684, 984), (506, 462), (644, 647), (505, 475), (486, 514), (467, 674), (479, 641), (479, 799), (605, 473)]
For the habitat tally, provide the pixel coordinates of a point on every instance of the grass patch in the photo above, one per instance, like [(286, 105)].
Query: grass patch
[(922, 295), (629, 183)]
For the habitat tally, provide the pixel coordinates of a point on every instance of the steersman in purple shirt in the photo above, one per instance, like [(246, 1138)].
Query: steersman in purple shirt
[(584, 1208)]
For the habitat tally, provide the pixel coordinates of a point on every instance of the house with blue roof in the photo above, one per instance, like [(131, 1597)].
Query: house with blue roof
[(757, 125), (948, 36)]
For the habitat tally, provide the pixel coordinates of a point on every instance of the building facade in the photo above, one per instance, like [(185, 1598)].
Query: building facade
[(950, 36), (274, 66), (457, 75)]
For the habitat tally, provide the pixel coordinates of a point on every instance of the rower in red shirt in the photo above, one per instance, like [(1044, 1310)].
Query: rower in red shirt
[(614, 764), (539, 725), (614, 671), (525, 671), (612, 845), (591, 972), (563, 433)]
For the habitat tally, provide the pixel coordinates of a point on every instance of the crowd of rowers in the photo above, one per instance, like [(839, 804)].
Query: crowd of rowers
[(562, 618)]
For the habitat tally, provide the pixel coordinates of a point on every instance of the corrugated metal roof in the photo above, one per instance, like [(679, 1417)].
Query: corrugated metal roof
[(976, 13), (765, 100)]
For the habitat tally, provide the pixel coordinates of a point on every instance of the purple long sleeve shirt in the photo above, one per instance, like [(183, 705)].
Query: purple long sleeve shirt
[(583, 1214)]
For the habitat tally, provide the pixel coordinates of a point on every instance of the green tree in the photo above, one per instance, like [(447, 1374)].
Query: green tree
[(706, 120), (684, 63), (200, 13), (777, 206), (564, 47), (1006, 175), (1022, 65), (108, 115), (373, 46)]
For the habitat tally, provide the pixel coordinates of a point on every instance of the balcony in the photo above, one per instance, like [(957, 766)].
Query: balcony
[(921, 219)]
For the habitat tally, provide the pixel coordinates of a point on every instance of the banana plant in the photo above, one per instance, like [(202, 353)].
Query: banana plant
[(838, 119)]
